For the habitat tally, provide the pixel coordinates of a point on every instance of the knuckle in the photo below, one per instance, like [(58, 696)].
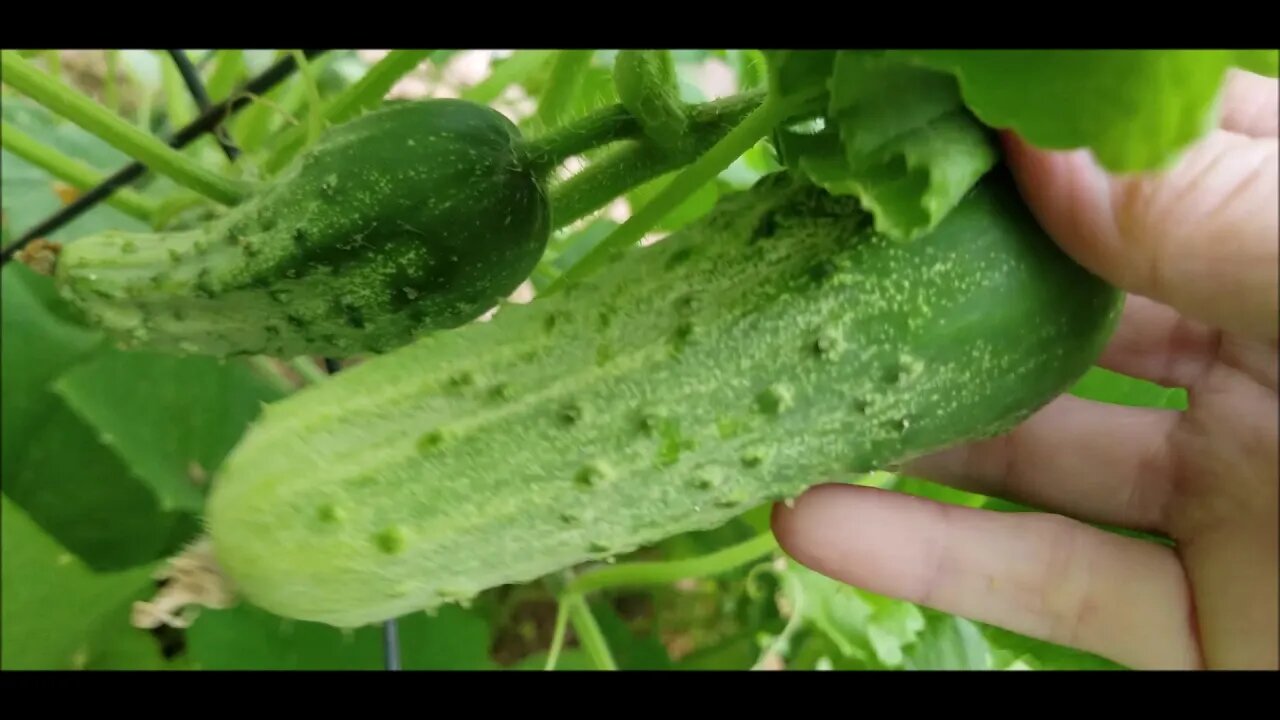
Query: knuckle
[(1065, 586)]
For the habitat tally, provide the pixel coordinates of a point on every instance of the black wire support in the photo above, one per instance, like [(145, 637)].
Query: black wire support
[(195, 86)]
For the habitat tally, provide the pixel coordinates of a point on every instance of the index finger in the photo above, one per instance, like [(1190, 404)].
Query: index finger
[(1039, 575)]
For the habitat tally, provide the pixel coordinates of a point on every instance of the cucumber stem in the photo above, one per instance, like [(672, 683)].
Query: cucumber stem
[(315, 119), (557, 636), (663, 573), (709, 164), (574, 609), (118, 132), (74, 172), (602, 127), (633, 164), (308, 369), (269, 370), (589, 633)]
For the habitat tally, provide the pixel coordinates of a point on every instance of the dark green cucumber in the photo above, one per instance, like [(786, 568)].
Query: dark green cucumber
[(417, 217), (778, 343)]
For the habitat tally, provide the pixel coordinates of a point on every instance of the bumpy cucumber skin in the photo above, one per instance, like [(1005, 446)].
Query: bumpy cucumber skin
[(416, 217), (778, 343)]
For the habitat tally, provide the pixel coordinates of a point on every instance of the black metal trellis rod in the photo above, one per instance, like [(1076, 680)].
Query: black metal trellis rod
[(208, 119), (195, 86), (391, 645)]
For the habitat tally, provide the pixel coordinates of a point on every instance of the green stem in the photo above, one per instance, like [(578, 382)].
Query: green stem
[(268, 369), (557, 636), (74, 172), (362, 94), (602, 127), (665, 573), (143, 118), (179, 105), (93, 117), (111, 88), (54, 60), (588, 632), (293, 101), (315, 114), (227, 71), (308, 369), (168, 208), (710, 164), (251, 126), (574, 609), (635, 163), (781, 644)]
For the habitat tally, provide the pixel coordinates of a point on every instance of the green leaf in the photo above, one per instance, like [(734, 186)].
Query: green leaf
[(736, 653), (750, 167), (248, 638), (57, 614), (751, 68), (862, 625), (910, 182), (1112, 387), (949, 643), (798, 73), (894, 135), (168, 417), (80, 492), (1043, 655), (55, 465), (1135, 109), (117, 645), (894, 625), (43, 340), (879, 99), (1262, 62)]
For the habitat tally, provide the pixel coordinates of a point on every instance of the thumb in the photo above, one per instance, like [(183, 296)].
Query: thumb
[(1201, 236)]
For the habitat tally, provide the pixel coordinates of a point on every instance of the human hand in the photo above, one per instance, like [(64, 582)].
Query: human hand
[(1197, 247)]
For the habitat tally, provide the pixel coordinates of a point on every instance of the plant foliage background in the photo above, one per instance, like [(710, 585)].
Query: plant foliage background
[(107, 454)]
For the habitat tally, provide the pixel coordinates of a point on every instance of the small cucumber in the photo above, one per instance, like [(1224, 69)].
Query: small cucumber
[(777, 343), (416, 217)]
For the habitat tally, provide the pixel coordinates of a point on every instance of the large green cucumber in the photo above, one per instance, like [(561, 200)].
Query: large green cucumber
[(416, 217), (777, 343)]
